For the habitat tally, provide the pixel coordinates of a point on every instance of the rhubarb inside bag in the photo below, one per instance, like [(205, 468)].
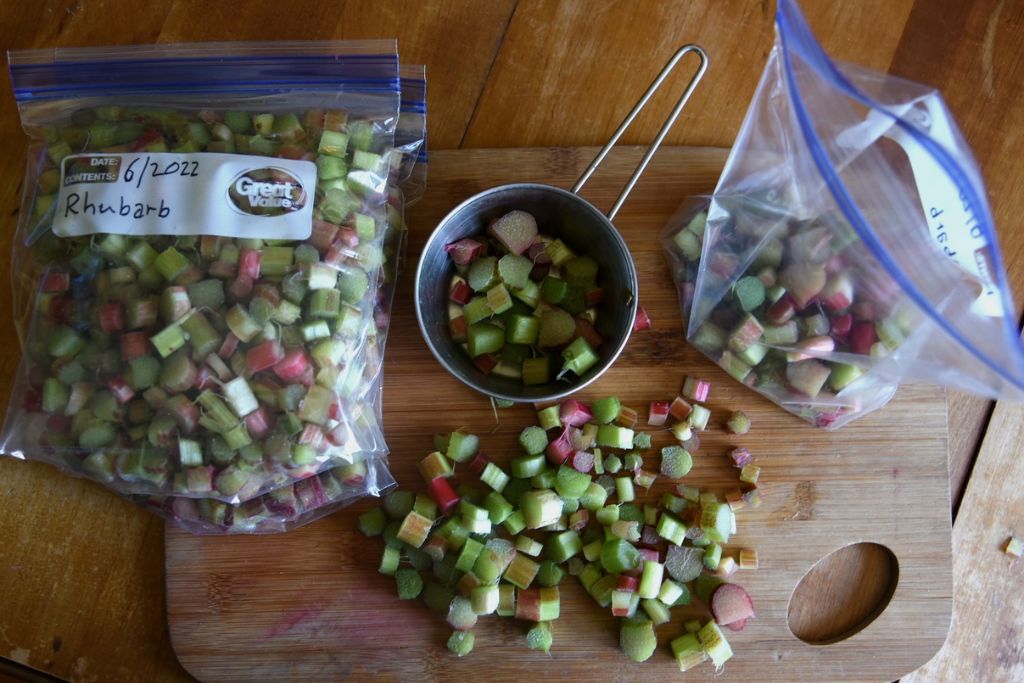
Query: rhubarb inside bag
[(848, 246), (296, 504), (213, 355)]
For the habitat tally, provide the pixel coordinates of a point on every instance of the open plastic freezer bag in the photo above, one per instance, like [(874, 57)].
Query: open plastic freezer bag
[(196, 262), (848, 246)]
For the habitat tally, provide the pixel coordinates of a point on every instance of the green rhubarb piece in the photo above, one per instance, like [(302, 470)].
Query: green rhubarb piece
[(533, 440), (842, 375), (520, 329), (671, 529), (541, 508), (549, 418), (526, 466), (559, 252), (483, 274), (656, 610), (484, 599), (398, 504), (716, 522), (749, 292), (372, 522), (460, 643), (560, 547), (515, 522), (704, 585), (554, 290), (485, 338), (676, 462), (632, 461), (712, 556), (619, 555), (514, 270), (688, 651), (753, 354), (745, 334), (171, 263), (550, 574), (389, 561), (333, 143), (437, 596), (521, 571), (570, 483), (498, 508), (410, 583), (540, 637), (477, 309), (55, 396), (624, 489), (414, 529), (688, 244), (580, 271), (608, 515), (425, 505), (64, 342), (494, 477), (594, 498), (605, 410), (613, 436), (637, 639), (544, 480), (471, 550), (641, 440), (353, 285), (735, 366), (612, 464), (498, 299), (714, 643), (710, 338), (536, 371), (556, 328), (461, 446), (528, 294), (330, 167)]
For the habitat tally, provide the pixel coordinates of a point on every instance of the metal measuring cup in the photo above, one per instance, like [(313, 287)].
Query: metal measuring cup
[(578, 223)]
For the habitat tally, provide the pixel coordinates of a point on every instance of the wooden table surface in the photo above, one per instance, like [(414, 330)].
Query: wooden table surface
[(518, 73)]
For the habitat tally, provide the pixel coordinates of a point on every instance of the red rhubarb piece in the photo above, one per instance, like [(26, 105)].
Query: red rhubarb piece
[(642, 320), (575, 413), (292, 366), (464, 251), (443, 494), (730, 603), (461, 293)]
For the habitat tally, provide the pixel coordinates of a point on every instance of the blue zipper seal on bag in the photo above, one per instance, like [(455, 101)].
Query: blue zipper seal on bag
[(241, 69), (793, 28)]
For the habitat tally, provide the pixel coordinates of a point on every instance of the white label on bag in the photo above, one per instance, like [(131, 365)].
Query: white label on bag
[(164, 193), (951, 222)]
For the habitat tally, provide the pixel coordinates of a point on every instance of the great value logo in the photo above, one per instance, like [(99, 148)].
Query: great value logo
[(267, 191)]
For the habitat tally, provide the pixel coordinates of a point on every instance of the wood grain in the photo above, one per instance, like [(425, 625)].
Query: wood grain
[(988, 615), (557, 53), (310, 603), (80, 580)]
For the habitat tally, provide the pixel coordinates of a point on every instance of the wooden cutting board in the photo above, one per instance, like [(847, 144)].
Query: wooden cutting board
[(310, 605)]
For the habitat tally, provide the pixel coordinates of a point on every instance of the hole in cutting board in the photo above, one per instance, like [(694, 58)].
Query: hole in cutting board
[(842, 593)]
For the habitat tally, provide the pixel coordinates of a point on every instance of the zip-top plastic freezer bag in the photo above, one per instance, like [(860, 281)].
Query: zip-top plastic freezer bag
[(848, 246), (196, 261), (307, 500)]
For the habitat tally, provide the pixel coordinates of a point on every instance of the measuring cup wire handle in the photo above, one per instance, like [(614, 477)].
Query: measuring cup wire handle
[(697, 76)]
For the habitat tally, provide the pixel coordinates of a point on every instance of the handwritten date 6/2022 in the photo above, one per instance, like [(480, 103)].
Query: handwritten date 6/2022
[(142, 168)]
